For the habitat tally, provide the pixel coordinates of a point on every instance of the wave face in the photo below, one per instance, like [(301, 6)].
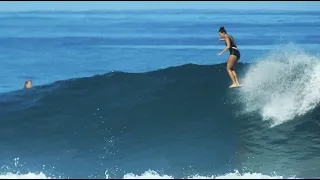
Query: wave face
[(136, 122), (179, 122)]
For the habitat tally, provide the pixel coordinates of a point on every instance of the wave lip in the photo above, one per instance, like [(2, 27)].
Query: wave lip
[(282, 86)]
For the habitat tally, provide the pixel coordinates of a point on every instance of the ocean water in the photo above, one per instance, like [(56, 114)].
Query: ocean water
[(142, 94)]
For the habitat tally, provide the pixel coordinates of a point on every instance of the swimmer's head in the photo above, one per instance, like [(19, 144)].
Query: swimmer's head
[(222, 32), (28, 84)]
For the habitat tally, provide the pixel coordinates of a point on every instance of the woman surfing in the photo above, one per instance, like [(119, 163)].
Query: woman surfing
[(233, 57)]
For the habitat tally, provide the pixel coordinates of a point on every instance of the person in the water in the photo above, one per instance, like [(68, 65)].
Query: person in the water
[(233, 57), (28, 84)]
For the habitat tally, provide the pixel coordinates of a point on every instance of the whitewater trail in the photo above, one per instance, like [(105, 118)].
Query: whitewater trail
[(154, 175), (282, 86)]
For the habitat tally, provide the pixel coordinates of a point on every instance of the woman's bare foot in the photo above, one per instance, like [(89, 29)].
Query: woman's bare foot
[(233, 86)]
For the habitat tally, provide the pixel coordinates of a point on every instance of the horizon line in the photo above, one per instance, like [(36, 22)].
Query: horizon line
[(163, 9)]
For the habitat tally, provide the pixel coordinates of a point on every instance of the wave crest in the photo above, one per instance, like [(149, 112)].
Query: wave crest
[(282, 86)]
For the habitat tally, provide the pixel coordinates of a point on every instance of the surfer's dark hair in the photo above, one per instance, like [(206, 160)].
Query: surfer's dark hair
[(222, 30), (26, 82)]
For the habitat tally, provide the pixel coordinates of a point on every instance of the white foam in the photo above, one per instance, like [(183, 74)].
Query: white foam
[(154, 175), (24, 176), (236, 175), (282, 86)]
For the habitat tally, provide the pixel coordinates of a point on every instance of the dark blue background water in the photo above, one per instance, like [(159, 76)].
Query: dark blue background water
[(151, 108)]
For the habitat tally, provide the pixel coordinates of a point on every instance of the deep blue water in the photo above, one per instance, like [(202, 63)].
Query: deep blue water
[(144, 91)]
